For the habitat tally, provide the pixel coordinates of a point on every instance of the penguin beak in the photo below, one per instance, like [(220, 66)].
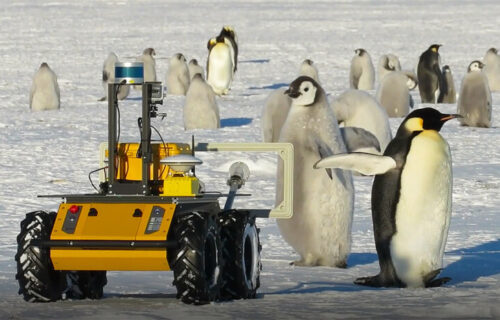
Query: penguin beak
[(292, 94), (447, 117)]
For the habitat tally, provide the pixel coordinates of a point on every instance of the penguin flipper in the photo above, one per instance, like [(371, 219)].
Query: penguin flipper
[(443, 87), (325, 152), (356, 139), (364, 163)]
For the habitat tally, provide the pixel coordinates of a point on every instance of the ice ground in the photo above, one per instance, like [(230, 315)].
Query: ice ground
[(52, 152)]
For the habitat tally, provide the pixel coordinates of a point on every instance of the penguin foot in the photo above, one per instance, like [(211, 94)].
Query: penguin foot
[(301, 263), (102, 99), (373, 281), (430, 282)]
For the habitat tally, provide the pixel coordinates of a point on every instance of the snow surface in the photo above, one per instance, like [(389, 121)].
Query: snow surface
[(52, 152)]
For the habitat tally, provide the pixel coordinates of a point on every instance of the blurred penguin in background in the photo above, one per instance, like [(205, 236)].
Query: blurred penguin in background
[(307, 68), (148, 59), (431, 81), (474, 101), (450, 96), (393, 93), (362, 74), (219, 65), (195, 68), (108, 76), (177, 81), (200, 108), (492, 68), (386, 64), (231, 39), (44, 93)]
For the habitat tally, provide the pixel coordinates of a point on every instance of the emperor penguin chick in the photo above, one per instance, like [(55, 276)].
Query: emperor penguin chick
[(492, 68), (148, 59), (357, 108), (474, 101), (200, 108), (108, 76), (307, 68), (320, 229), (450, 95), (44, 93), (362, 75), (177, 81), (195, 68), (219, 66), (387, 63), (393, 93)]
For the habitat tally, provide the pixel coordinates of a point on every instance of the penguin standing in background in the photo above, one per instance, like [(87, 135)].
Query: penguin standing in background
[(149, 65), (492, 68), (357, 108), (450, 96), (393, 93), (307, 68), (323, 200), (362, 75), (200, 108), (431, 81), (44, 93), (474, 101), (387, 63), (411, 200), (219, 65), (231, 40), (108, 76), (195, 68), (177, 81)]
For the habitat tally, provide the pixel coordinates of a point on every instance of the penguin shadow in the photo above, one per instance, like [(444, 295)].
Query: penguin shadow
[(111, 295), (255, 61), (356, 259), (271, 86), (235, 122), (316, 287), (475, 262)]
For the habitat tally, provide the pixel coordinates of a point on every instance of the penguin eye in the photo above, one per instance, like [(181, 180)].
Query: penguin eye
[(306, 89)]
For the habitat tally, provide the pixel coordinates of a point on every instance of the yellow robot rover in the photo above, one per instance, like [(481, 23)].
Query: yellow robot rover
[(150, 213)]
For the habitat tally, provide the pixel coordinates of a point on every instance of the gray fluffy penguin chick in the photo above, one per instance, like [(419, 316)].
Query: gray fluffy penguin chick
[(200, 108), (308, 68), (148, 59), (323, 201), (108, 76), (357, 108), (450, 95), (195, 68), (393, 93), (362, 74), (44, 93), (474, 101), (492, 68), (177, 80), (387, 63)]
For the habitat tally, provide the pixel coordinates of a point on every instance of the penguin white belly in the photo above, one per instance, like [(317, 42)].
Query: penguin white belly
[(220, 69), (45, 96), (424, 209)]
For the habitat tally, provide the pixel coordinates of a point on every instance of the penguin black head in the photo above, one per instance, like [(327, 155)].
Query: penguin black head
[(180, 57), (446, 68), (475, 65), (308, 61), (434, 47), (304, 91), (492, 50), (193, 62), (211, 43), (149, 51), (424, 119), (44, 65), (360, 51), (228, 31), (387, 64)]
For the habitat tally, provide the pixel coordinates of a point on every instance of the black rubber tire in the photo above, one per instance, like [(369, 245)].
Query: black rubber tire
[(86, 284), (241, 252), (38, 281), (198, 260)]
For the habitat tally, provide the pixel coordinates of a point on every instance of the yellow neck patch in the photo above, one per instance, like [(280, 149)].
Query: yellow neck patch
[(434, 49), (414, 124)]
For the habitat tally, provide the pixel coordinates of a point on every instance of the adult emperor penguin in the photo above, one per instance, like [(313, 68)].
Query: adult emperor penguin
[(44, 93), (362, 75), (320, 229), (387, 63), (148, 59), (411, 200), (219, 66), (474, 101), (431, 82), (492, 68), (195, 68), (450, 95), (393, 93), (231, 39), (357, 108), (307, 68), (108, 76), (200, 108), (177, 81)]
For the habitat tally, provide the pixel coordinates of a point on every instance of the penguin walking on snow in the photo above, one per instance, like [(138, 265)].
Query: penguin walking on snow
[(108, 76), (323, 200), (149, 66), (362, 75), (450, 95), (44, 94), (411, 200), (219, 65), (200, 108), (474, 101), (431, 82), (177, 81), (492, 68), (386, 64)]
